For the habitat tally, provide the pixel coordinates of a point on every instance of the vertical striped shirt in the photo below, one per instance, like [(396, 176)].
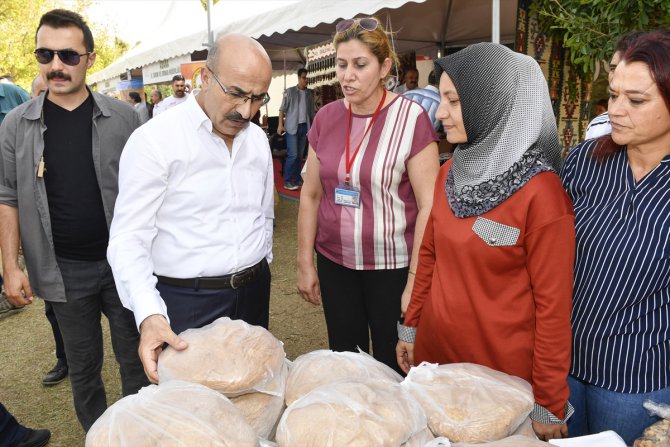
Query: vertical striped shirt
[(621, 305), (380, 233)]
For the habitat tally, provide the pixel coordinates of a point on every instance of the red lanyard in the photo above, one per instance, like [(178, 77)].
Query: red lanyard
[(350, 161)]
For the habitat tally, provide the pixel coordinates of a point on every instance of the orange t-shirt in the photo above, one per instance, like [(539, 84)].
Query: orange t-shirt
[(500, 295)]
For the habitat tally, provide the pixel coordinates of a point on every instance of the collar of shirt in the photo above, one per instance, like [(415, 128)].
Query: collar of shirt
[(199, 119)]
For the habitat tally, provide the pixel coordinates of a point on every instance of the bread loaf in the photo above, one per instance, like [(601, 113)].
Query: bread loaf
[(174, 414), (470, 403), (322, 367), (362, 412), (229, 356)]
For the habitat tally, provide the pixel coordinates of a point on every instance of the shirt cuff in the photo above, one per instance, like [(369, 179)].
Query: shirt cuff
[(544, 416), (406, 333), (146, 305)]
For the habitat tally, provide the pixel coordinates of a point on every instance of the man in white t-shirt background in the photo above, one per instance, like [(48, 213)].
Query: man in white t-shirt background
[(179, 95)]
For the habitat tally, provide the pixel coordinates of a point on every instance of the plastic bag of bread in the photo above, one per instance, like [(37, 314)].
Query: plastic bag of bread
[(512, 441), (316, 368), (471, 403), (229, 356), (362, 412), (656, 435), (173, 414), (262, 410)]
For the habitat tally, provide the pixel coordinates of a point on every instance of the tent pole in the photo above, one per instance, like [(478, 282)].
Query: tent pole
[(495, 21), (284, 54), (210, 36)]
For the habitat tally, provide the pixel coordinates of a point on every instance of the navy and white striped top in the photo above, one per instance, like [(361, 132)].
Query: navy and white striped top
[(621, 305)]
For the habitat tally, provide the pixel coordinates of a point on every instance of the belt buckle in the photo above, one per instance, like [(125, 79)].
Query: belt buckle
[(232, 280)]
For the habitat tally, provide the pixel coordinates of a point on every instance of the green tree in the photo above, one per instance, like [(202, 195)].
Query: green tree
[(18, 23), (590, 28)]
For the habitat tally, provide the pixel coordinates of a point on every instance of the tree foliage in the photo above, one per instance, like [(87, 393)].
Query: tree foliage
[(18, 24), (590, 28)]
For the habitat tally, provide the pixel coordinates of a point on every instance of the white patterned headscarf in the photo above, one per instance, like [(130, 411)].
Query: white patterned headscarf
[(510, 126)]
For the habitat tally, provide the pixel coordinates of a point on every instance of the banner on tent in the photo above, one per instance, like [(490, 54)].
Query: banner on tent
[(163, 71)]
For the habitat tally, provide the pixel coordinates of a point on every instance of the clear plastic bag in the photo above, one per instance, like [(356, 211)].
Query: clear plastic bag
[(657, 409), (363, 412), (262, 410), (322, 367), (174, 414), (512, 441), (471, 403), (229, 356)]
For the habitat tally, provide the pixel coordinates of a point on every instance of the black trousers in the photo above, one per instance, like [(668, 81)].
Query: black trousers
[(11, 432), (90, 292), (362, 304), (189, 308), (58, 338)]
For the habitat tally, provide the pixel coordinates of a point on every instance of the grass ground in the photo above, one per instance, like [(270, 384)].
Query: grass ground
[(27, 349)]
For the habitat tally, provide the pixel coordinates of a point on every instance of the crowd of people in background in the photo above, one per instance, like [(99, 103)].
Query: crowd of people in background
[(556, 271)]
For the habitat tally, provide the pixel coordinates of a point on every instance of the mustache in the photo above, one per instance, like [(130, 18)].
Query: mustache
[(236, 116), (58, 74)]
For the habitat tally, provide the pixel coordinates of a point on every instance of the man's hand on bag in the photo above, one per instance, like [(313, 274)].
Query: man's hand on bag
[(154, 332)]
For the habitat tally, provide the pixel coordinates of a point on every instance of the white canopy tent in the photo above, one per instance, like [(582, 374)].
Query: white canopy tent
[(424, 26)]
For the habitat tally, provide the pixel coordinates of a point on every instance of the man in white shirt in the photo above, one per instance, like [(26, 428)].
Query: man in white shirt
[(411, 81), (179, 95), (192, 231)]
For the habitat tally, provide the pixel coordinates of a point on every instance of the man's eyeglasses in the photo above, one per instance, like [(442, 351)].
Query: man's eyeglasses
[(238, 98), (68, 57), (367, 23)]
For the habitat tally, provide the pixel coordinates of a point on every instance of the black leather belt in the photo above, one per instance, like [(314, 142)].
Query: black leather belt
[(232, 281)]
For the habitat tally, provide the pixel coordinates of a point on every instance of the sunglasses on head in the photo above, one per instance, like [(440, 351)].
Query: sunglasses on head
[(68, 57), (367, 23)]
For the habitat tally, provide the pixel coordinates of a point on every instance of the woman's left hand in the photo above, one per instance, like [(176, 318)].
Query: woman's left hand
[(545, 432)]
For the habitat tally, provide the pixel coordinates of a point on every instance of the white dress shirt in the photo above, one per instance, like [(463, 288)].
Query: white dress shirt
[(169, 102), (187, 207)]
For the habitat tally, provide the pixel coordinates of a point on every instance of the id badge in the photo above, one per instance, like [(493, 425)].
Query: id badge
[(347, 195)]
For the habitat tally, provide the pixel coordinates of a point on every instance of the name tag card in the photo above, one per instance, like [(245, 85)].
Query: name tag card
[(346, 195)]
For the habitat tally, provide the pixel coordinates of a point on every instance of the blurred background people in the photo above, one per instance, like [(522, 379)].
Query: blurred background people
[(371, 168), (179, 95), (155, 98), (140, 108), (296, 114)]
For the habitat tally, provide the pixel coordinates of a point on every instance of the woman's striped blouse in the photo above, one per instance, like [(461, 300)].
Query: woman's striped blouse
[(621, 306)]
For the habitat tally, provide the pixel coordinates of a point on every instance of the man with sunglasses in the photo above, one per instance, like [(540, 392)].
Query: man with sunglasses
[(192, 231), (179, 95), (58, 184)]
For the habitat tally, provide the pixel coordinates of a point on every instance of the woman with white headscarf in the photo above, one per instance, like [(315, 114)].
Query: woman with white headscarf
[(494, 280)]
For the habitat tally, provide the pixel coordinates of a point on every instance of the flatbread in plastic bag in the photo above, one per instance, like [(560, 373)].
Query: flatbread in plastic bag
[(471, 403), (361, 412), (262, 410), (173, 414), (322, 367), (229, 356), (512, 441)]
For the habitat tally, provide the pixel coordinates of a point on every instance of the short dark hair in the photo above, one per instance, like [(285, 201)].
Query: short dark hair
[(135, 97), (301, 71), (62, 18), (432, 80), (177, 77)]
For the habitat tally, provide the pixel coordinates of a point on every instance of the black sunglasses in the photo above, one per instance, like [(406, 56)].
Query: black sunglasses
[(367, 23), (68, 57)]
